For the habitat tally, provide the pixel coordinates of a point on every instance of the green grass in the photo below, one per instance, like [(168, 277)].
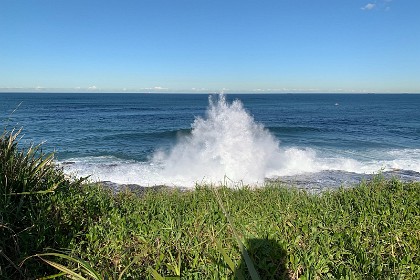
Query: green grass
[(368, 232), (28, 180), (371, 231)]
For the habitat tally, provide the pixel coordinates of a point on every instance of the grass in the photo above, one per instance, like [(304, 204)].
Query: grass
[(28, 179), (371, 231)]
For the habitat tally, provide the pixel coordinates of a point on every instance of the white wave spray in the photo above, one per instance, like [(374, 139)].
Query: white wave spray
[(226, 144)]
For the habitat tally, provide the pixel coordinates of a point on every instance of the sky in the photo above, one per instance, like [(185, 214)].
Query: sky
[(244, 46)]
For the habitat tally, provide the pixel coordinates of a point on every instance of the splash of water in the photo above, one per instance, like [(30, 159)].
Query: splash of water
[(226, 143)]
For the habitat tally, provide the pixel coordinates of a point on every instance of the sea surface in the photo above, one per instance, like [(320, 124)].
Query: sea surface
[(315, 141)]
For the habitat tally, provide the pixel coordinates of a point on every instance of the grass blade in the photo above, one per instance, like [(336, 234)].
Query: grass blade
[(156, 274), (250, 265), (87, 268), (125, 269), (64, 269), (226, 258)]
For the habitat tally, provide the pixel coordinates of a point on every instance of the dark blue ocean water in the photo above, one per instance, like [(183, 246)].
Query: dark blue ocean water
[(168, 138)]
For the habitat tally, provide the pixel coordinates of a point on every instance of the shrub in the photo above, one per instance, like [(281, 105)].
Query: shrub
[(28, 178)]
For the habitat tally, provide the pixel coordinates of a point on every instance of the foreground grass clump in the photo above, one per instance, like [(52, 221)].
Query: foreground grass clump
[(28, 180), (371, 231)]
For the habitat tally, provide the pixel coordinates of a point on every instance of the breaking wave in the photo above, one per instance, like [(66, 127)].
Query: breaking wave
[(227, 146)]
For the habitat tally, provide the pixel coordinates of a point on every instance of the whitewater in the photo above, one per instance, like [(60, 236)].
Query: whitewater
[(226, 145)]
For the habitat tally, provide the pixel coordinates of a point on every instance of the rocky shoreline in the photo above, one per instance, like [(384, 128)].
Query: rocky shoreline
[(311, 182)]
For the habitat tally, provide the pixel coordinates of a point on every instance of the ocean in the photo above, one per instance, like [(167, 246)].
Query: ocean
[(314, 141)]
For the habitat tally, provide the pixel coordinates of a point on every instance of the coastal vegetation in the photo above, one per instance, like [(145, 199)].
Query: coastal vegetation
[(49, 220)]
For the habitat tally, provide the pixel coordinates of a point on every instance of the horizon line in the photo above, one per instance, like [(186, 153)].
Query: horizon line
[(203, 91)]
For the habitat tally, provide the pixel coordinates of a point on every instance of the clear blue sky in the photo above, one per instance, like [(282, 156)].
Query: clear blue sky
[(210, 45)]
